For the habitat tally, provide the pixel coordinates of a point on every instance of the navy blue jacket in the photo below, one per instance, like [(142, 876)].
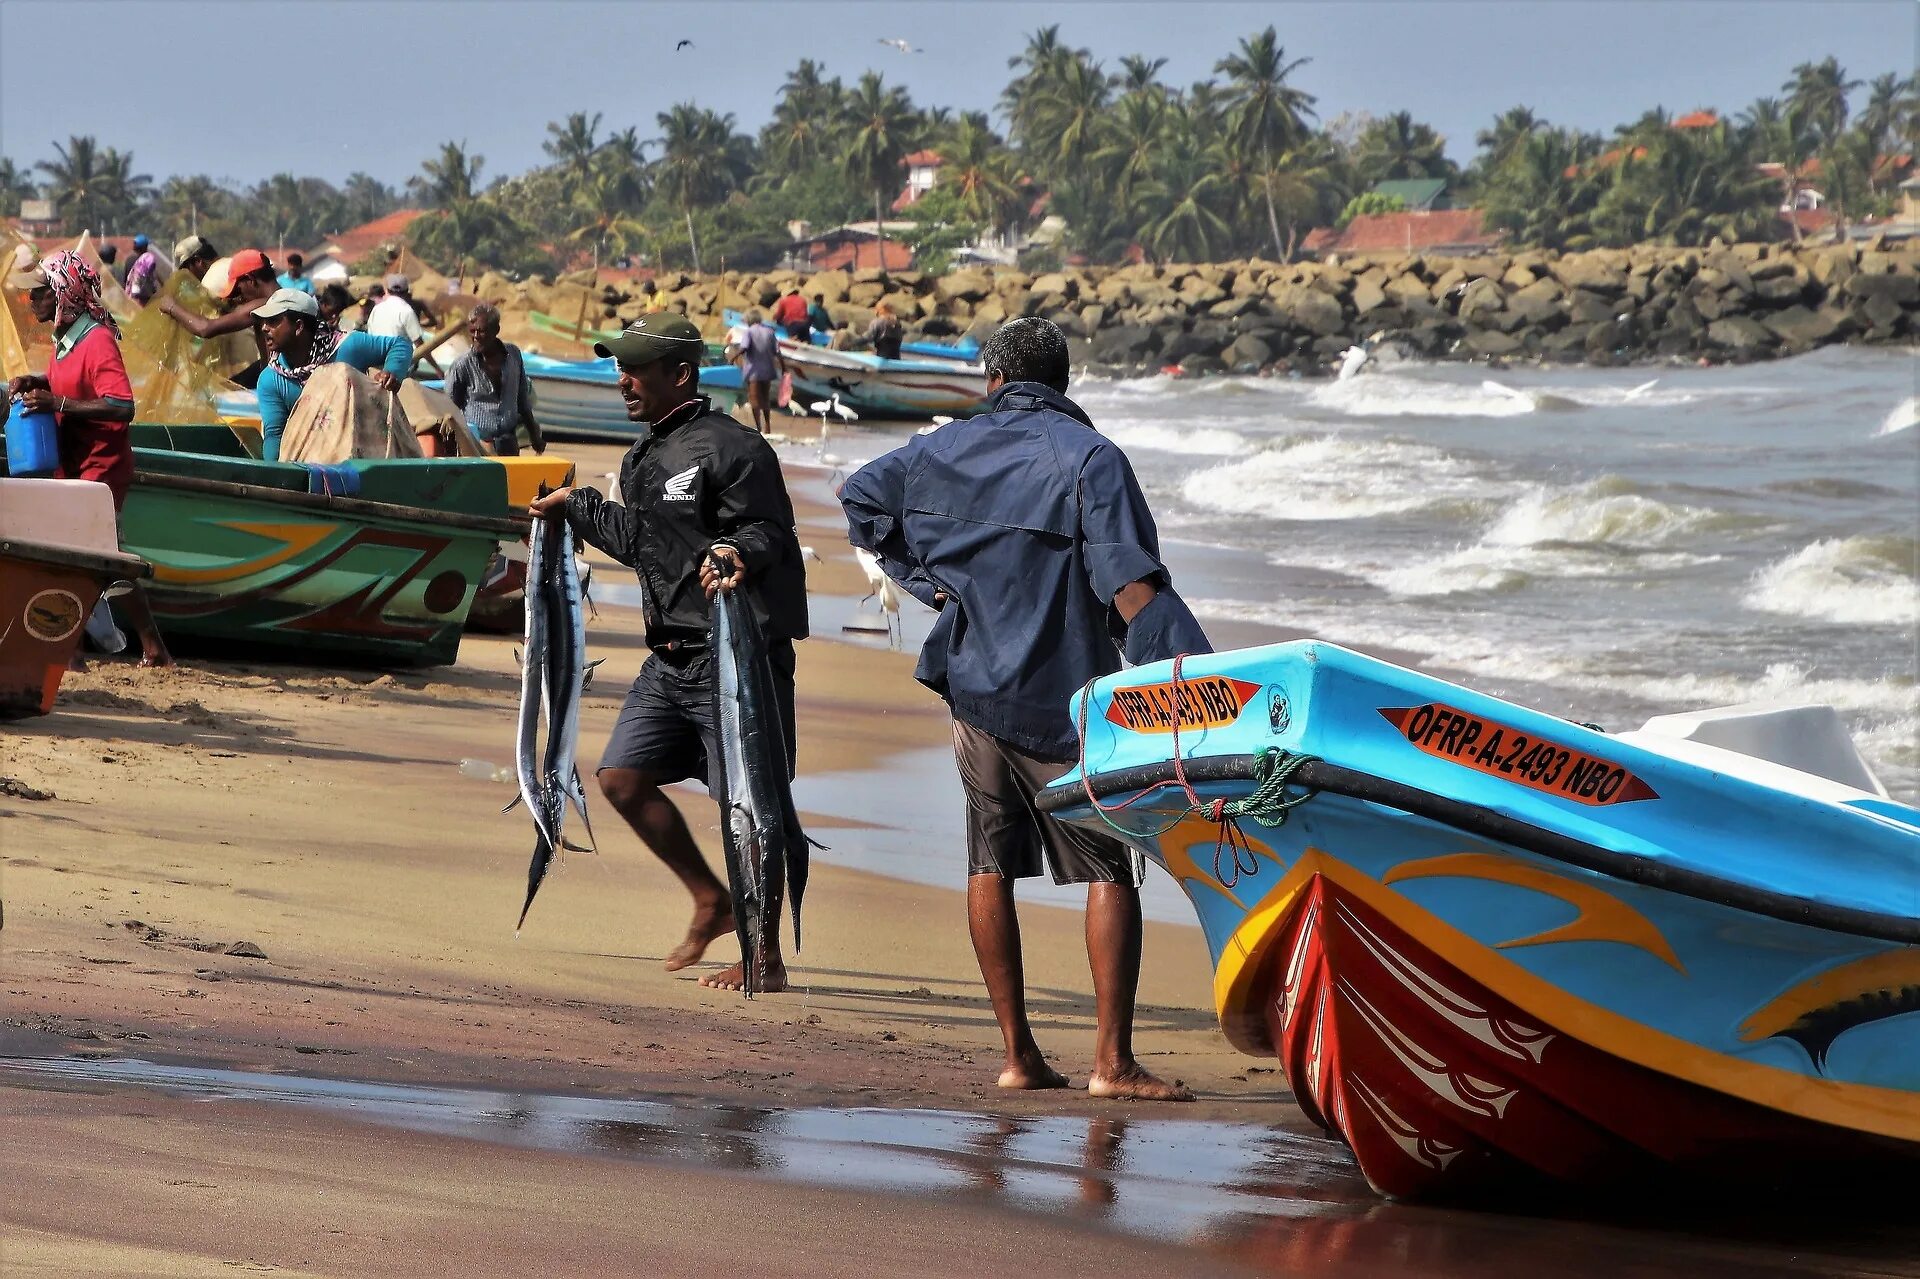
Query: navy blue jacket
[(1029, 521)]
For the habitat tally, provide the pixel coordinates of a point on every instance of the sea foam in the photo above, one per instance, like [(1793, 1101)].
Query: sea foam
[(1856, 580)]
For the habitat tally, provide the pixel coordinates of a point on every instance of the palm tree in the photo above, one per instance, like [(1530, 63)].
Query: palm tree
[(1186, 222), (1395, 146), (573, 143), (1132, 141), (15, 186), (878, 133), (185, 203), (604, 204), (1818, 92), (1140, 74), (1684, 186), (279, 202), (1267, 112), (981, 174), (701, 160), (1543, 193), (1307, 183), (1040, 65), (1065, 115), (91, 188), (366, 197), (801, 133), (1890, 111), (1775, 132), (449, 178), (1511, 128)]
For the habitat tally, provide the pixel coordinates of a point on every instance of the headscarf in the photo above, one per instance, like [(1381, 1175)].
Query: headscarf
[(76, 291), (326, 336)]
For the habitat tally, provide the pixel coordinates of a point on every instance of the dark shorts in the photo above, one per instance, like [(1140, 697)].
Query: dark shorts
[(667, 728), (800, 331), (1007, 835), (759, 393)]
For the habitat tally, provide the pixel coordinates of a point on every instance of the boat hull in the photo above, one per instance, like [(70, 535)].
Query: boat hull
[(895, 389), (244, 556), (1475, 977), (46, 593), (582, 400)]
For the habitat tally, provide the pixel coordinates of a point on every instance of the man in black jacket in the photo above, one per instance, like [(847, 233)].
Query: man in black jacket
[(697, 482)]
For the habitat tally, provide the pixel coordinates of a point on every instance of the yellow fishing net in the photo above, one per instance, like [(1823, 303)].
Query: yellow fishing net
[(26, 345)]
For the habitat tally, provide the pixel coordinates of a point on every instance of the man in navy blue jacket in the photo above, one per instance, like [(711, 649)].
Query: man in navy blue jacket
[(1026, 528)]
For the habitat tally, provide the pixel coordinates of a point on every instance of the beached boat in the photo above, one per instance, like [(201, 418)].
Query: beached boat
[(1490, 945), (877, 388), (964, 349), (580, 399), (366, 562), (57, 554)]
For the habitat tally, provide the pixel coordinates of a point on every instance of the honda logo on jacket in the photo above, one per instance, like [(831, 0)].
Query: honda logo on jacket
[(679, 488)]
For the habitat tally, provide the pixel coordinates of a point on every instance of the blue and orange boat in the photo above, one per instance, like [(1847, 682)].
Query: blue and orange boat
[(1490, 945)]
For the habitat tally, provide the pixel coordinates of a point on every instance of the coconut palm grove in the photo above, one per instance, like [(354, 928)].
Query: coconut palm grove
[(1241, 164)]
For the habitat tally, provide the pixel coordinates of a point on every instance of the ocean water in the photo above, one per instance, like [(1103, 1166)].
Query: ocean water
[(1602, 544)]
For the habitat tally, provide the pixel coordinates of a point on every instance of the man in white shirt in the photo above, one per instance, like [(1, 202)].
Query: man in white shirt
[(393, 315)]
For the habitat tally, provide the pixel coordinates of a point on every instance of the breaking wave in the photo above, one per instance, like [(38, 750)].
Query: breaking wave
[(1162, 437), (1335, 477), (1858, 580), (1902, 417)]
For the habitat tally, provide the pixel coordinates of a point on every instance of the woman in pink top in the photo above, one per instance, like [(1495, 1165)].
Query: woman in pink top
[(87, 391)]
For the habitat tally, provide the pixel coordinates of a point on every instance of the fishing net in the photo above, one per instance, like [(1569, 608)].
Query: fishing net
[(26, 345), (429, 410)]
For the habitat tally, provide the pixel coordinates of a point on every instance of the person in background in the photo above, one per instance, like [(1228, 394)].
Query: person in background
[(143, 273), (109, 254), (295, 276), (790, 313), (651, 300), (194, 255), (394, 315), (250, 282), (86, 389), (818, 318), (490, 385), (886, 331), (300, 343), (760, 368), (697, 484), (336, 305), (1026, 528)]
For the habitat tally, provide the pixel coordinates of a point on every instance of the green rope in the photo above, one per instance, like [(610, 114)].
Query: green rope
[(1273, 771)]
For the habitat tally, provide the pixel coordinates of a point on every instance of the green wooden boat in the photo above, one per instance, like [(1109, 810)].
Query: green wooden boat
[(379, 566)]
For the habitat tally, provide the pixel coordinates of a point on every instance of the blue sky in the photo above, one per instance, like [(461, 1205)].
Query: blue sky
[(494, 73)]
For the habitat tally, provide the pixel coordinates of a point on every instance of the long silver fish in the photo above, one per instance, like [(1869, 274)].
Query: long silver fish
[(766, 849), (554, 674)]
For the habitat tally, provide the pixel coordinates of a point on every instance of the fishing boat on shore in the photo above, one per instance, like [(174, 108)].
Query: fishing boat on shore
[(1492, 946), (365, 562), (58, 553), (875, 388), (580, 399)]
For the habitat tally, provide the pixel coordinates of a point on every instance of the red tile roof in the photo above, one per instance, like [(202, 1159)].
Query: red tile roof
[(1398, 232), (351, 245), (1702, 119), (919, 158)]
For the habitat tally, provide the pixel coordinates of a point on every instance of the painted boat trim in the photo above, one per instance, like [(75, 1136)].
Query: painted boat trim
[(121, 567), (1495, 827), (1243, 972), (511, 526)]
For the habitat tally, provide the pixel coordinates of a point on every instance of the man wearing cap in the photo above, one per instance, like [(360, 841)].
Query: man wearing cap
[(299, 343), (394, 315), (698, 482), (250, 282), (143, 273)]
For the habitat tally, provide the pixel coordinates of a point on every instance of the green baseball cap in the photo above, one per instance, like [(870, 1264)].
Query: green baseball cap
[(654, 337)]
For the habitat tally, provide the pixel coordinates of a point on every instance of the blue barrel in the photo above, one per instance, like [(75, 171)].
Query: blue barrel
[(33, 446)]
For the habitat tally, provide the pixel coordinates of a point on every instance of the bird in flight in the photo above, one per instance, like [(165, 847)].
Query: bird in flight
[(684, 44), (905, 46)]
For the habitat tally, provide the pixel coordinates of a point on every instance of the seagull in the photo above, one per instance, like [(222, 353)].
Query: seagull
[(905, 46), (684, 44)]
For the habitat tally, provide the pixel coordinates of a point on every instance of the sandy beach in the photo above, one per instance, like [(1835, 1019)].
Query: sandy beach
[(159, 822)]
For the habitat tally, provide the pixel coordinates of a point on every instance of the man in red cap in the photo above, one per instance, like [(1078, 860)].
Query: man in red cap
[(251, 280)]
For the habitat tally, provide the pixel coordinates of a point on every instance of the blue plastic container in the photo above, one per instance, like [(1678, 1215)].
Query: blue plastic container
[(33, 446)]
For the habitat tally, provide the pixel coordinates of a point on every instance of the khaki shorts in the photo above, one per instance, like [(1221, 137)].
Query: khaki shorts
[(1007, 835)]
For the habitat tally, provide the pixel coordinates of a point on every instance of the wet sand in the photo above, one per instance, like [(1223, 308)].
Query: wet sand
[(321, 817)]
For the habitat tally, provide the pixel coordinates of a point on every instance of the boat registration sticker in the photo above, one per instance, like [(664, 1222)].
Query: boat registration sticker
[(53, 615), (1207, 701), (1500, 750)]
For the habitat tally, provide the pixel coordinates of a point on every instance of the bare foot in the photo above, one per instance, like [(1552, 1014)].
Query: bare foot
[(772, 982), (708, 923), (1133, 1083), (154, 661), (1031, 1074)]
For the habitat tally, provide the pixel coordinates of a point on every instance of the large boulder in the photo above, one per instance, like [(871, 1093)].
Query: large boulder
[(1589, 271), (1489, 342), (865, 292), (1115, 291), (1404, 290), (1480, 300), (832, 283), (990, 310), (1537, 302), (1587, 307), (1367, 295), (1305, 307), (1800, 329), (1902, 290), (1125, 345), (966, 286), (1740, 335), (1247, 353)]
